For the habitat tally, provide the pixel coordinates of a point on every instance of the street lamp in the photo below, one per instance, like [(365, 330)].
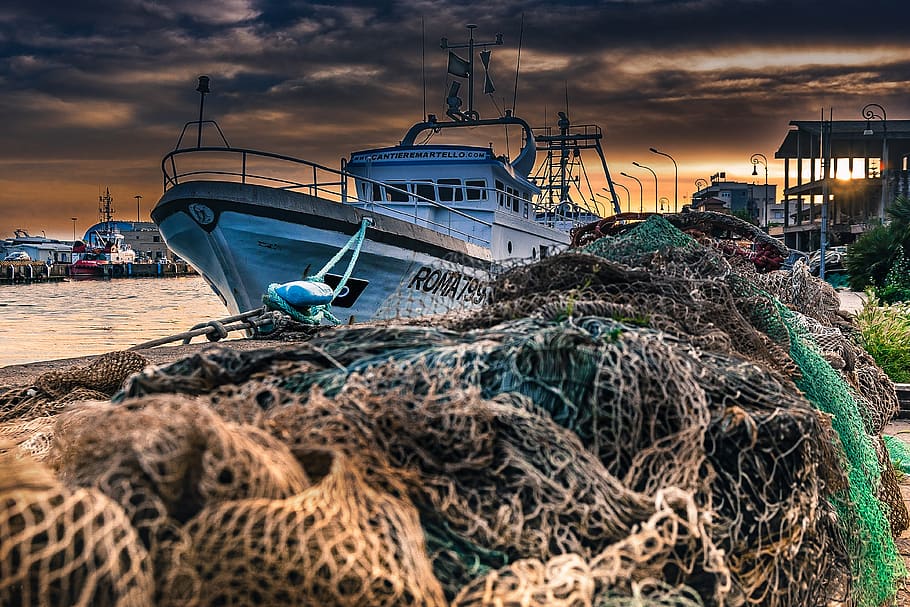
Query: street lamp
[(628, 194), (663, 200), (641, 194), (870, 114), (756, 160), (675, 179), (73, 219), (641, 166), (138, 198)]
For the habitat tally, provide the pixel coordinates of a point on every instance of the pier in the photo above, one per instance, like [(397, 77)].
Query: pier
[(17, 272)]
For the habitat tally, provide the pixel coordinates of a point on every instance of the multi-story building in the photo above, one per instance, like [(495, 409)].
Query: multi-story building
[(850, 169), (747, 200)]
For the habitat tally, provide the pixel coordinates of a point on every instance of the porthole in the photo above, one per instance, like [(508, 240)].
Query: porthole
[(509, 247)]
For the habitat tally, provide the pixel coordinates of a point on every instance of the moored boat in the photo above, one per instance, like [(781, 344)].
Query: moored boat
[(409, 229), (103, 252)]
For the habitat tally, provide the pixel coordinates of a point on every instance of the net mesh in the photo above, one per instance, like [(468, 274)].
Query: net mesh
[(652, 419), (66, 547)]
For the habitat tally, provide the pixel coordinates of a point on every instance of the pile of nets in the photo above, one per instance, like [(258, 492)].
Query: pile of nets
[(647, 420)]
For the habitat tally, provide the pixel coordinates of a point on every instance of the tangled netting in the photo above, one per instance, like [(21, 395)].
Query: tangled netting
[(645, 421), (26, 412)]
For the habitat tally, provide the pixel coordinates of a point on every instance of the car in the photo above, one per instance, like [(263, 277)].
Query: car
[(17, 256)]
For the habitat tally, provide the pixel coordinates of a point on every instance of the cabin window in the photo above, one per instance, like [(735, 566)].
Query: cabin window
[(499, 194), (393, 195), (377, 192), (450, 190), (513, 199), (476, 189), (425, 190)]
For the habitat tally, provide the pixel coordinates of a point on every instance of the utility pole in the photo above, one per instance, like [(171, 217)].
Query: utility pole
[(138, 198)]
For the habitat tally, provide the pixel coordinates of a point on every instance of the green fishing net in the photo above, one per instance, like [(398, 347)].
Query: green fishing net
[(649, 420)]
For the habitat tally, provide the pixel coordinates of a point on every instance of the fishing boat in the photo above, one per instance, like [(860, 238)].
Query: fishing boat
[(410, 229), (103, 251)]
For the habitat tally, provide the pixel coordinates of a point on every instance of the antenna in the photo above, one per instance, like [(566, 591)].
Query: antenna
[(203, 89), (423, 62), (521, 33)]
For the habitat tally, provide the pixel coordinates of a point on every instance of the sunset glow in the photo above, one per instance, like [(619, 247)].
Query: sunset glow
[(94, 97)]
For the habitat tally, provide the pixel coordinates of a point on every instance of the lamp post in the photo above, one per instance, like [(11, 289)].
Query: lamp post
[(641, 166), (664, 199), (756, 160), (870, 114), (73, 219), (628, 194), (675, 179), (641, 194), (138, 198)]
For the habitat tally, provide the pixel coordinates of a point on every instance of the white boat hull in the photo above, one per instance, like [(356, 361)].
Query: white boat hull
[(243, 237)]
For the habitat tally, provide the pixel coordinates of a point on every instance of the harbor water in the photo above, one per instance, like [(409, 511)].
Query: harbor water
[(51, 320)]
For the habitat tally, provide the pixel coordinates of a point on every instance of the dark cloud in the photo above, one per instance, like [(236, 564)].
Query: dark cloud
[(94, 92)]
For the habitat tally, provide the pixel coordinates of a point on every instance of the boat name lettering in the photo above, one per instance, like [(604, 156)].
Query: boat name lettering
[(419, 155), (449, 283)]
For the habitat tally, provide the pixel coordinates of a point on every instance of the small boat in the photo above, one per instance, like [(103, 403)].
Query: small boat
[(103, 252), (410, 229)]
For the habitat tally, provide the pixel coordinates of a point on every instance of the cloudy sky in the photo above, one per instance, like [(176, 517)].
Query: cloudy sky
[(93, 93)]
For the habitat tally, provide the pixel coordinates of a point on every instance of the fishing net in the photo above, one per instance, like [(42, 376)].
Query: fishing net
[(655, 412), (26, 412), (65, 547), (338, 542), (629, 572), (164, 459), (639, 422)]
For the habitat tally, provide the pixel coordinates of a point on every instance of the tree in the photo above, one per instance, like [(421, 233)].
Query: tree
[(870, 258)]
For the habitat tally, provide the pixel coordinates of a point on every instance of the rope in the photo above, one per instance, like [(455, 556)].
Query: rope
[(215, 330), (314, 315)]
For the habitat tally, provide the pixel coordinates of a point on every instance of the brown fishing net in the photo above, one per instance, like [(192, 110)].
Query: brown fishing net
[(672, 543), (65, 547), (164, 459), (642, 422), (26, 412), (339, 542)]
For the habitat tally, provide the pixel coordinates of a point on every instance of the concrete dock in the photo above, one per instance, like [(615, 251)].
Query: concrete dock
[(17, 272)]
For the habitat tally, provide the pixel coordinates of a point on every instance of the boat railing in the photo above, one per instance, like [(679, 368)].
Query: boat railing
[(303, 176), (545, 134)]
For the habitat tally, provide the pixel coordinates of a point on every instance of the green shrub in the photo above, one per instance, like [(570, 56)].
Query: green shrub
[(885, 332), (869, 258), (897, 282)]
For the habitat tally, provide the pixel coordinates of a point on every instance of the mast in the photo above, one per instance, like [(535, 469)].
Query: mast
[(470, 45), (106, 211)]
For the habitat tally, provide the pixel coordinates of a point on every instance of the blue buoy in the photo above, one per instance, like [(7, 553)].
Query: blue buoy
[(305, 293)]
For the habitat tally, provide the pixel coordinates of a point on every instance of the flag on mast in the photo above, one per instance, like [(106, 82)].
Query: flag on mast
[(488, 87), (458, 66)]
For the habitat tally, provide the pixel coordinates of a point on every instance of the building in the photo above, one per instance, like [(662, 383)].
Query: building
[(38, 248), (746, 200), (859, 166)]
